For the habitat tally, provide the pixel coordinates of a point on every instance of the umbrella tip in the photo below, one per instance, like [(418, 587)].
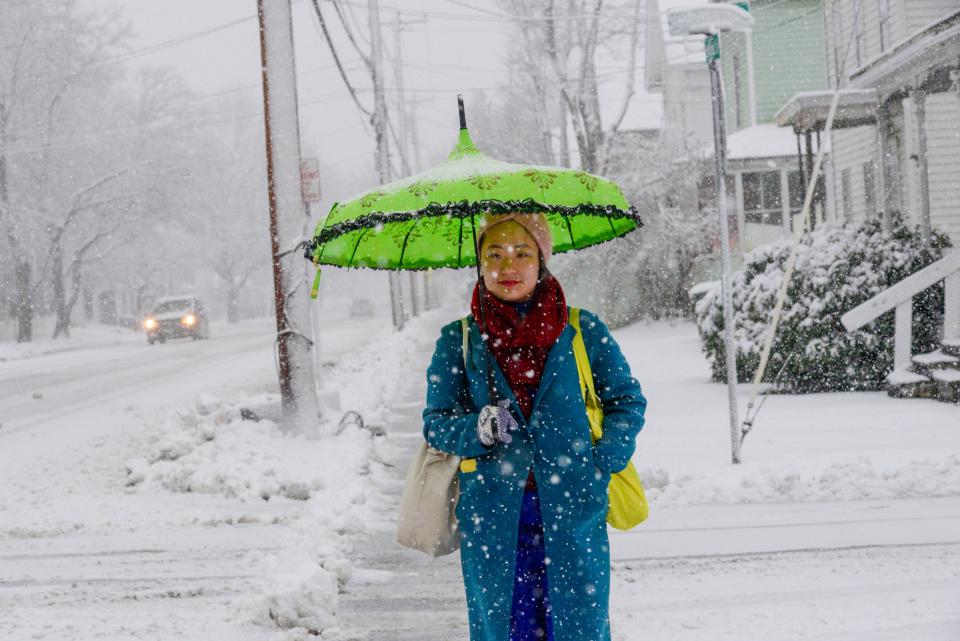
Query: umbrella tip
[(463, 115)]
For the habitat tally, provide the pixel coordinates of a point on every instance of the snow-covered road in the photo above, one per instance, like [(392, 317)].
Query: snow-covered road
[(83, 557), (43, 390)]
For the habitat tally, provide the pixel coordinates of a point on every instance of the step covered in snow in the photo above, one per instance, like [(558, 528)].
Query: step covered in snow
[(935, 358), (948, 385), (904, 384)]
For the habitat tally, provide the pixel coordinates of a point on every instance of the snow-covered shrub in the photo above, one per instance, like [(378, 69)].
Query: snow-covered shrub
[(837, 269)]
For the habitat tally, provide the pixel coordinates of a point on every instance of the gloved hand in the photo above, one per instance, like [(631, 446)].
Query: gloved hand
[(495, 423)]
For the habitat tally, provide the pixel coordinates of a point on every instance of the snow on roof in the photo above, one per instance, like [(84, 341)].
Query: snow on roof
[(714, 19), (680, 49), (808, 110), (759, 141)]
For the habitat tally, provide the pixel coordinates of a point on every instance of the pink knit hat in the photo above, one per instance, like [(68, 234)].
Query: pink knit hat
[(535, 224)]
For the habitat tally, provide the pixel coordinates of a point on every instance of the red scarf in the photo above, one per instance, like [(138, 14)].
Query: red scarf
[(520, 345)]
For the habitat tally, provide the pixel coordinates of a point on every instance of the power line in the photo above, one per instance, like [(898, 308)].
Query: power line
[(74, 140)]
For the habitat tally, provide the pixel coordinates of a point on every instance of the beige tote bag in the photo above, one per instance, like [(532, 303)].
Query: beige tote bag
[(427, 520)]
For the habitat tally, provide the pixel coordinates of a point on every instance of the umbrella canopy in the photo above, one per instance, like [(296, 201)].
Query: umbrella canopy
[(429, 220)]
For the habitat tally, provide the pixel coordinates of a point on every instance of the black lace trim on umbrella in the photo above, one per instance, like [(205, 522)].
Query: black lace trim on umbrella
[(322, 263), (463, 209)]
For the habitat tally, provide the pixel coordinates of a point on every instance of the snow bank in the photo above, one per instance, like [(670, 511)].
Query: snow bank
[(341, 477), (210, 449), (841, 481)]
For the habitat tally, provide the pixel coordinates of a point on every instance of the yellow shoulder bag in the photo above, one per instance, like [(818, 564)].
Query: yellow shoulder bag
[(627, 504)]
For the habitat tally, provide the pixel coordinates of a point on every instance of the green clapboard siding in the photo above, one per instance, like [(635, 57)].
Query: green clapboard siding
[(789, 55)]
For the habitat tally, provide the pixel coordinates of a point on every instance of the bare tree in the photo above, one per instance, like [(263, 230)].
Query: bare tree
[(52, 56), (557, 49)]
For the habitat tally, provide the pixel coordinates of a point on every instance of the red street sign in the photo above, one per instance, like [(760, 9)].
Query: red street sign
[(310, 180)]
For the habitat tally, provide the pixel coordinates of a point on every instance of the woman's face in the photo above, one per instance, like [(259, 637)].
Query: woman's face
[(509, 261)]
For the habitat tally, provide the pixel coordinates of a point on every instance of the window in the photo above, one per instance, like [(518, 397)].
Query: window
[(884, 8), (869, 189), (762, 203), (847, 195)]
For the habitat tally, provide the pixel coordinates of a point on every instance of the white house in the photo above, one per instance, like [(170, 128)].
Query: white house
[(902, 153)]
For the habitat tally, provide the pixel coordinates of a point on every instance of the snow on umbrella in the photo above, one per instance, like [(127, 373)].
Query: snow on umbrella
[(429, 219)]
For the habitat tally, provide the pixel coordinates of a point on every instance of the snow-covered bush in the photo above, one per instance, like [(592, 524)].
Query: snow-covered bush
[(837, 269)]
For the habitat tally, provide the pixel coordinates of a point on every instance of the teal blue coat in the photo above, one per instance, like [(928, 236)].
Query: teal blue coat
[(572, 475)]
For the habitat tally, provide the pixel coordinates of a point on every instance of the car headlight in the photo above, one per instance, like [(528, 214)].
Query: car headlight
[(150, 323), (189, 320)]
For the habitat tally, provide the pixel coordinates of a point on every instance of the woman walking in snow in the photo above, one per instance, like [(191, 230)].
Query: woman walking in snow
[(533, 489)]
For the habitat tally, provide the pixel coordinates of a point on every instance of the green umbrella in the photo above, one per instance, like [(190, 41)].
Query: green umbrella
[(429, 219)]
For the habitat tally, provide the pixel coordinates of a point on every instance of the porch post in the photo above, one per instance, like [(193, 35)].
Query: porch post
[(785, 200), (884, 209), (951, 307), (902, 336), (741, 218), (920, 103), (803, 177), (809, 144)]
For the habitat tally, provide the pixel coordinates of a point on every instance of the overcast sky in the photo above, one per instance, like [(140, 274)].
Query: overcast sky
[(447, 47)]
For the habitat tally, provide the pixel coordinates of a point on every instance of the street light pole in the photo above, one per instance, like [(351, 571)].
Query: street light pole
[(720, 160), (710, 21)]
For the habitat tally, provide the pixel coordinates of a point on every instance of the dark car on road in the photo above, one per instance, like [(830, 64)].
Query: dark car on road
[(177, 317)]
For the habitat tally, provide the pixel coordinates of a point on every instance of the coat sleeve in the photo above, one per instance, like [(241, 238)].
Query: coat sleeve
[(449, 418), (623, 403)]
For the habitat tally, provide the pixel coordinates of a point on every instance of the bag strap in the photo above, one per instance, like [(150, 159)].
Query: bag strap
[(583, 361), (466, 340)]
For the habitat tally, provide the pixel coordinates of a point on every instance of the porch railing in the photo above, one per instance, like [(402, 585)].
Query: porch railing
[(900, 297)]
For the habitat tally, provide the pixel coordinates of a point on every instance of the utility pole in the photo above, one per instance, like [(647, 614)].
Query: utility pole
[(380, 135), (288, 223), (401, 97)]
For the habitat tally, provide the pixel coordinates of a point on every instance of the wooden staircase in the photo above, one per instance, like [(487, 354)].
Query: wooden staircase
[(933, 375)]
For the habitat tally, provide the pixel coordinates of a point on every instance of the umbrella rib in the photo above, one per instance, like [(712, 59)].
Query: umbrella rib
[(357, 246), (570, 230), (613, 229), (403, 249), (460, 244), (473, 226)]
